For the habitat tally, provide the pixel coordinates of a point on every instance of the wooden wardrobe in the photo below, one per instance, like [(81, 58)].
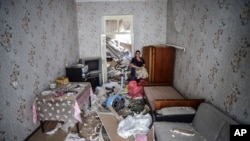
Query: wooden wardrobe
[(159, 61)]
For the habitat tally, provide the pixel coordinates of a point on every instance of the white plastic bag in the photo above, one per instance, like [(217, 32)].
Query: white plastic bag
[(132, 125)]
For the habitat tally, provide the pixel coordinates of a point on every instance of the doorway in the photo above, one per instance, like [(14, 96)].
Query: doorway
[(116, 46)]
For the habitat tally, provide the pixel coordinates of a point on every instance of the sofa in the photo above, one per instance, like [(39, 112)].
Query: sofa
[(209, 124)]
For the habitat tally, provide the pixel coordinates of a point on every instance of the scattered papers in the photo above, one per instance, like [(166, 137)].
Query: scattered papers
[(64, 127)]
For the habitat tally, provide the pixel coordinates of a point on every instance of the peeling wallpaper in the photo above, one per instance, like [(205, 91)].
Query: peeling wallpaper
[(149, 23), (215, 66), (37, 39)]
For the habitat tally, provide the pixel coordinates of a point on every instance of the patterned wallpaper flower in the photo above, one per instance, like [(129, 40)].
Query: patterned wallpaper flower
[(37, 39), (216, 64)]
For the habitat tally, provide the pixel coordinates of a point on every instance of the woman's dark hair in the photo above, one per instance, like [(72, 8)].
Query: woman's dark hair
[(137, 51)]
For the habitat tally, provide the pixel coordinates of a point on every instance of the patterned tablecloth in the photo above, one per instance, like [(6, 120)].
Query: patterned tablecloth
[(62, 103)]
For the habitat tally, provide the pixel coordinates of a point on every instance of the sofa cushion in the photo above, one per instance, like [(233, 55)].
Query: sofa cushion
[(175, 114), (209, 121), (179, 110), (163, 132)]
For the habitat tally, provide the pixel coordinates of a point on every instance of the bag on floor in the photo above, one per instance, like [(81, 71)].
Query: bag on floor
[(134, 90), (142, 82)]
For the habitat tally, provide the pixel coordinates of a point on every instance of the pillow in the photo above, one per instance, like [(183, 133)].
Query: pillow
[(176, 111)]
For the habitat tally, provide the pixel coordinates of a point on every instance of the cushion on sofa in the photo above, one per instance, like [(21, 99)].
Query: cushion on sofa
[(175, 114), (176, 111), (163, 132), (209, 122)]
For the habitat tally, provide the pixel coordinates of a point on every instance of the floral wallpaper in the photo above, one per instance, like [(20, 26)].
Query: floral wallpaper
[(37, 39), (149, 23), (215, 65)]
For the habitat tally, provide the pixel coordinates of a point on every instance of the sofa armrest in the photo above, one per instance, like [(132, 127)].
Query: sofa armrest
[(161, 103)]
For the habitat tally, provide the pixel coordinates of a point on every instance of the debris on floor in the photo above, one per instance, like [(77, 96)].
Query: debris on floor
[(91, 126), (133, 112), (73, 137), (59, 125)]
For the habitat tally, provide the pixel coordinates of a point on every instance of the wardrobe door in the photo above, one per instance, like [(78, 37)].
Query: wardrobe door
[(148, 55), (164, 65)]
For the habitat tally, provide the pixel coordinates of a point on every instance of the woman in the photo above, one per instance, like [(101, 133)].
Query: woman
[(136, 63)]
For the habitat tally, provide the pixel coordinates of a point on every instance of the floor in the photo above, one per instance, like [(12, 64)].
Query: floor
[(91, 129)]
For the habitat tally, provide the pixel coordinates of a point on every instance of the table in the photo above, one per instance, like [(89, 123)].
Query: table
[(61, 104)]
